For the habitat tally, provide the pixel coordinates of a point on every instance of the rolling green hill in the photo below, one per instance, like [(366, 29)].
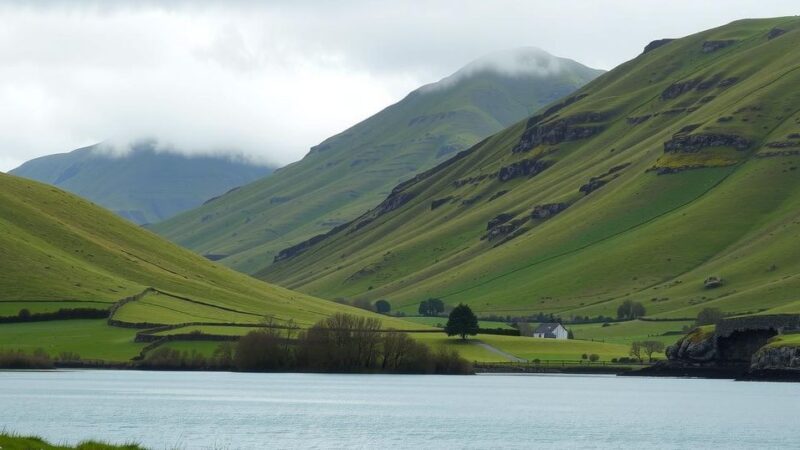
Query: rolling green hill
[(143, 185), (353, 171), (60, 251), (679, 165)]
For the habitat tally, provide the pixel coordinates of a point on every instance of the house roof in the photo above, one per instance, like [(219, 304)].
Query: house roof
[(547, 328)]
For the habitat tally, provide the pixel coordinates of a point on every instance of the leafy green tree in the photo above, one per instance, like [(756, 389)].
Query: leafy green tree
[(431, 307), (709, 316), (462, 322), (383, 306), (630, 310), (594, 357)]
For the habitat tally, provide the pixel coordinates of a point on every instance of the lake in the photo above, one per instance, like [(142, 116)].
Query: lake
[(235, 410)]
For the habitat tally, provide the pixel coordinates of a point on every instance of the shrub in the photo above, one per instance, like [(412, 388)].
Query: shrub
[(17, 359), (594, 357), (630, 310), (431, 307), (383, 306)]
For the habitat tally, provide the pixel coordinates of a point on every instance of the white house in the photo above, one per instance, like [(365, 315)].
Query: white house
[(551, 331)]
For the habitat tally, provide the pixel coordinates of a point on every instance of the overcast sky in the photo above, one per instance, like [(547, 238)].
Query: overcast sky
[(270, 79)]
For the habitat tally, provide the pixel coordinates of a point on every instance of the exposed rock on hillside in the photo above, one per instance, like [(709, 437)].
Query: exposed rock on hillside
[(775, 32), (593, 185), (570, 128), (548, 210), (712, 46), (693, 143), (526, 167), (676, 89), (499, 219), (440, 201), (656, 44)]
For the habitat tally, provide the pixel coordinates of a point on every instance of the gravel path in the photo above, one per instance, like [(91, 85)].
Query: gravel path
[(496, 350)]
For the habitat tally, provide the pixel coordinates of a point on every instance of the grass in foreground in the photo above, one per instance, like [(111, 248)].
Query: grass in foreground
[(10, 441)]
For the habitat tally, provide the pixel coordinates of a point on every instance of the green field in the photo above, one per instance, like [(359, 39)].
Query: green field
[(731, 210), (210, 329), (627, 332), (91, 339), (352, 171)]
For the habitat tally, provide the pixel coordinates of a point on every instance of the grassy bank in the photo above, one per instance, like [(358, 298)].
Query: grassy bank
[(10, 441)]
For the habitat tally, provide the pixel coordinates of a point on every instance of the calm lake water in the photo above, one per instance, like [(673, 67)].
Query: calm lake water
[(232, 410)]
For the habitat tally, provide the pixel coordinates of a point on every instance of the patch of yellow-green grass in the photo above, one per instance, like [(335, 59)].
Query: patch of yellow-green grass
[(440, 322), (9, 441), (91, 339), (12, 308), (469, 350), (627, 332), (785, 340), (166, 309), (554, 349)]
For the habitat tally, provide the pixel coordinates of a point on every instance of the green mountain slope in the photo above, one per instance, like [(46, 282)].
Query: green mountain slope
[(144, 186), (353, 171), (60, 251), (678, 165)]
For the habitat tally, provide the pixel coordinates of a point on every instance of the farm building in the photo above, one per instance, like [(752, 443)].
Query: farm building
[(551, 331)]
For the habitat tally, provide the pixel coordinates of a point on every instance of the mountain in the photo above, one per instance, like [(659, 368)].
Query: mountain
[(353, 171), (58, 251), (144, 185), (678, 166)]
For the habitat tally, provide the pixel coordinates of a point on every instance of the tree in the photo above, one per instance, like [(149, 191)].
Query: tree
[(709, 316), (630, 310), (24, 314), (462, 322), (431, 307), (383, 306), (584, 356), (524, 328), (636, 350), (570, 335), (650, 347), (594, 357)]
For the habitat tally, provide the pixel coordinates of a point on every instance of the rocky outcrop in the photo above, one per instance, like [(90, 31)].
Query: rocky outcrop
[(526, 167), (693, 143), (440, 201), (394, 201), (555, 131), (712, 46), (506, 231), (775, 32), (296, 249), (679, 88), (728, 82), (542, 212), (593, 185), (783, 144), (498, 220), (776, 357), (696, 347), (656, 44)]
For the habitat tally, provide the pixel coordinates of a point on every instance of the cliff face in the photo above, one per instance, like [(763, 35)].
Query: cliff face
[(753, 343), (777, 358)]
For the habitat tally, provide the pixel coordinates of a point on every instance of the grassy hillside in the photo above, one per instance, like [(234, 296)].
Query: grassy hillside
[(60, 251), (143, 186), (353, 171), (678, 165)]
